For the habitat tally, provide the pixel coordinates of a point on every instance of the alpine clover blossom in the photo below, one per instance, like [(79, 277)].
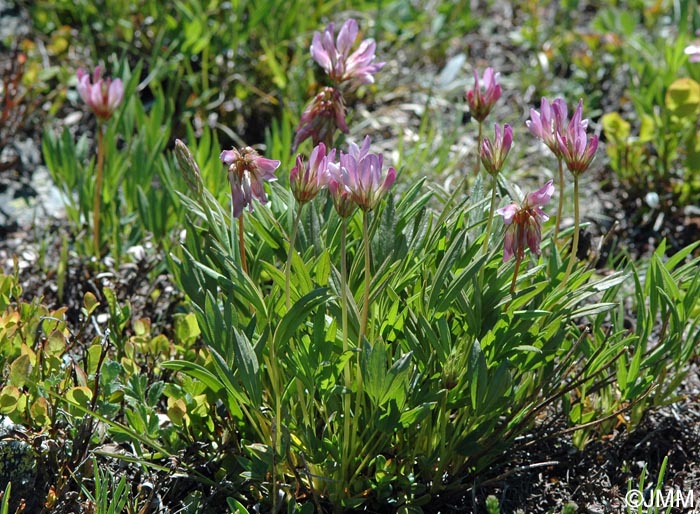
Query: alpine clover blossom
[(364, 175), (481, 102), (693, 52), (550, 120), (335, 57), (319, 121), (103, 96), (576, 150), (524, 222), (307, 180), (493, 155), (339, 188), (246, 171), (693, 49)]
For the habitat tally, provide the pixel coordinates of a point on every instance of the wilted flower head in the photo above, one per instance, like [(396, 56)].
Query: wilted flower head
[(551, 118), (307, 180), (481, 102), (576, 150), (321, 118), (524, 223), (336, 59), (364, 175), (493, 155), (246, 171), (103, 96)]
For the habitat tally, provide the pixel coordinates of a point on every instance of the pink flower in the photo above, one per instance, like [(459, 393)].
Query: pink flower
[(693, 52), (481, 103), (364, 175), (576, 150), (339, 187), (493, 155), (102, 96), (336, 59), (548, 121), (246, 172), (524, 223), (321, 118), (307, 181)]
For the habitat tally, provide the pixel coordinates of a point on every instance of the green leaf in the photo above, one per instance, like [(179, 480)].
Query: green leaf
[(236, 506), (80, 395), (197, 371), (384, 385), (299, 313), (323, 268), (90, 303), (9, 397), (615, 127), (20, 370), (416, 414), (683, 97)]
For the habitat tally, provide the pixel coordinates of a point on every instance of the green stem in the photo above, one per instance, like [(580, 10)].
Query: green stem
[(365, 303), (574, 244), (560, 209), (288, 269), (241, 243), (489, 223), (98, 191), (275, 380), (442, 443), (518, 259), (477, 166), (347, 435)]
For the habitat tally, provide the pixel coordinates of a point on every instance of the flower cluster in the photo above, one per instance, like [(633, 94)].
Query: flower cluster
[(346, 69), (524, 223), (693, 49), (307, 181), (493, 155), (321, 118), (103, 96), (576, 148), (481, 102), (246, 172), (545, 124), (566, 139), (337, 61), (357, 178)]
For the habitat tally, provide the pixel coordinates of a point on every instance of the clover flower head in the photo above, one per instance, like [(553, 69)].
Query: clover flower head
[(339, 188), (307, 179), (364, 178), (493, 155), (246, 172), (322, 117), (524, 222), (482, 101), (693, 53), (336, 59), (576, 149), (103, 96)]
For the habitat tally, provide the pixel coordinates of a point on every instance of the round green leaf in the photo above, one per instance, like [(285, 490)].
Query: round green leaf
[(683, 97), (615, 127)]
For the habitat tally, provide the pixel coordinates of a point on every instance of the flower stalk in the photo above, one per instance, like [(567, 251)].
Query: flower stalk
[(493, 156), (97, 200), (290, 254)]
